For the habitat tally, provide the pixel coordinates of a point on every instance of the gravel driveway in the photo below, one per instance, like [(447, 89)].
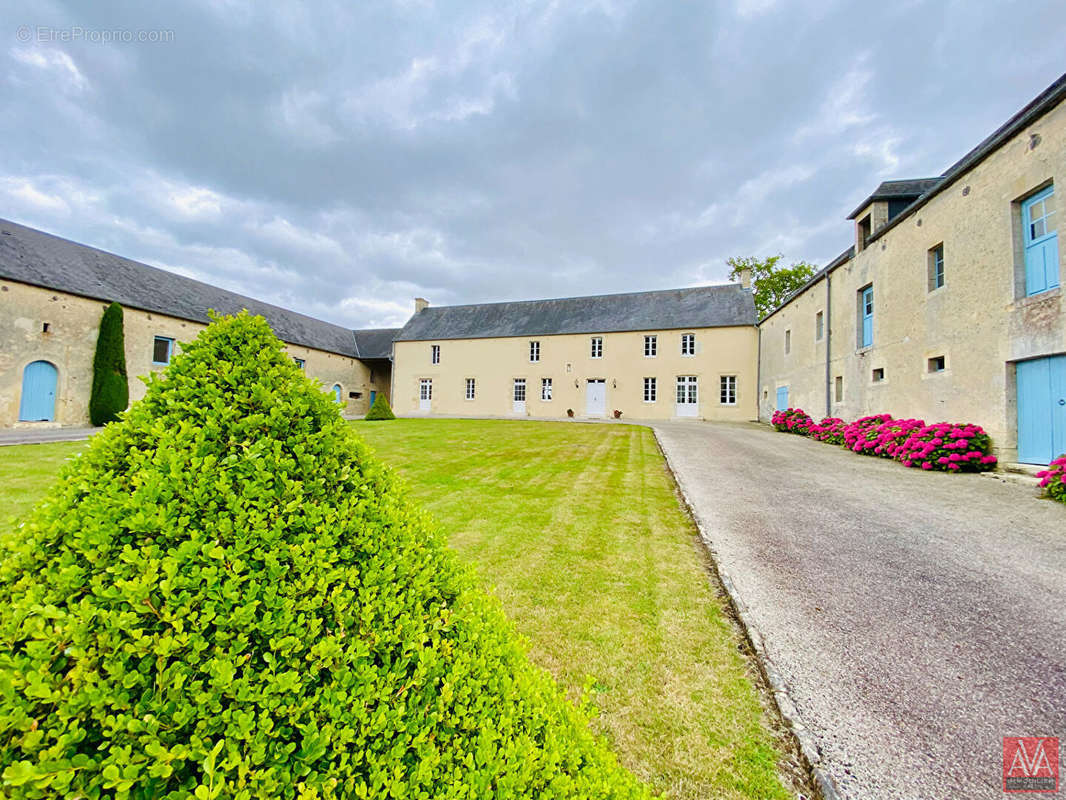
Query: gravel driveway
[(916, 618)]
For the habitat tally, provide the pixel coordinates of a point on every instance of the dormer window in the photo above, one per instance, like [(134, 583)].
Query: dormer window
[(863, 232)]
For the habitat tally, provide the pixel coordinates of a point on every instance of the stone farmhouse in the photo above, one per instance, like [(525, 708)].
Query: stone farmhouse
[(947, 306)]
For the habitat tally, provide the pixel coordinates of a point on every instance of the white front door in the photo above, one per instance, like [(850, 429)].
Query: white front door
[(596, 398), (519, 406), (425, 394), (688, 399)]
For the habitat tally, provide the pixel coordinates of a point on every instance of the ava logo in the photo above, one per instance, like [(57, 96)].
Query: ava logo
[(1030, 764)]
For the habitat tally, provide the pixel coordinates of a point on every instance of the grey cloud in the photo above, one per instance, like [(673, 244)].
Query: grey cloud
[(342, 157)]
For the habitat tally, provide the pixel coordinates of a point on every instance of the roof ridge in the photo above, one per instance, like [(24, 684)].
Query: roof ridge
[(588, 296)]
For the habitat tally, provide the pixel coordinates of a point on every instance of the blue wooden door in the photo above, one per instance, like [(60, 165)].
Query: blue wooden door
[(337, 392), (867, 316), (782, 398), (373, 396), (1041, 409), (1041, 242), (38, 402)]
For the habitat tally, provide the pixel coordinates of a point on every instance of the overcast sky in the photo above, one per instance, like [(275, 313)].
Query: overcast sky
[(341, 158)]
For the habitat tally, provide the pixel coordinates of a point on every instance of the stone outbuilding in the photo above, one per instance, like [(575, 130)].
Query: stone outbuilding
[(52, 296), (948, 306)]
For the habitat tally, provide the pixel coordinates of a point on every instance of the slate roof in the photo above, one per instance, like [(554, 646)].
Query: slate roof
[(898, 190), (375, 342), (31, 256), (699, 307)]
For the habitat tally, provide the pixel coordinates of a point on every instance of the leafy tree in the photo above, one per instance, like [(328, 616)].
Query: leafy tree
[(380, 409), (227, 596), (770, 283), (110, 392)]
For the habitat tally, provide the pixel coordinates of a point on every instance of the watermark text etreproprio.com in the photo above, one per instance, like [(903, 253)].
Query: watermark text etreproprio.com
[(42, 34)]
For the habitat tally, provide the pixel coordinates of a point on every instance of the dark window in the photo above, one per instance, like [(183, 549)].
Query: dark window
[(879, 375), (162, 347), (937, 364)]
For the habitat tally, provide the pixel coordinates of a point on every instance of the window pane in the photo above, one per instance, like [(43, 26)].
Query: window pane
[(161, 351)]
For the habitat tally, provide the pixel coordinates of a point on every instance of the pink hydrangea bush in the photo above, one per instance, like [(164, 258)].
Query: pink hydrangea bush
[(859, 435), (889, 438), (830, 430), (794, 420), (948, 446), (1053, 479)]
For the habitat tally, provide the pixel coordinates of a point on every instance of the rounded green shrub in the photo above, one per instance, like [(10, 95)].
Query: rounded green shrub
[(227, 597), (110, 393), (380, 409)]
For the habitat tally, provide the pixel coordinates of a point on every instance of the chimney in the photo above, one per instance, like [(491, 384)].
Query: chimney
[(420, 303), (745, 279)]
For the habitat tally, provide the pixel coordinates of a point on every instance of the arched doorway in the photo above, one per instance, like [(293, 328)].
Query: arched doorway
[(337, 392), (38, 402)]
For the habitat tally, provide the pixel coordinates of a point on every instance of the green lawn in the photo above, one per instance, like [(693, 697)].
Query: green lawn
[(578, 531)]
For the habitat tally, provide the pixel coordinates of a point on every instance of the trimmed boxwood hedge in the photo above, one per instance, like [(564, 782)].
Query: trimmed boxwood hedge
[(380, 409), (110, 393), (227, 597)]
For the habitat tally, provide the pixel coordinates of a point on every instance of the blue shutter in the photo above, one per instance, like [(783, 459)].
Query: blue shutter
[(868, 316), (1041, 244), (1058, 405), (1041, 409), (38, 403), (782, 398)]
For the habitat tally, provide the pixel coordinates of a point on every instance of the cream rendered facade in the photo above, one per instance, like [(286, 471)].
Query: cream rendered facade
[(494, 364), (980, 322), (69, 344)]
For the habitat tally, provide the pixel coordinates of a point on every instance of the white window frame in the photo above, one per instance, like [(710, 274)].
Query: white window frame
[(688, 344), (596, 347), (546, 389), (727, 390), (516, 385), (471, 388), (651, 346), (534, 352), (651, 390), (434, 354), (425, 388)]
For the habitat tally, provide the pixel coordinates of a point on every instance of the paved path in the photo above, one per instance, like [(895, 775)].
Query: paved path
[(44, 435), (916, 618)]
